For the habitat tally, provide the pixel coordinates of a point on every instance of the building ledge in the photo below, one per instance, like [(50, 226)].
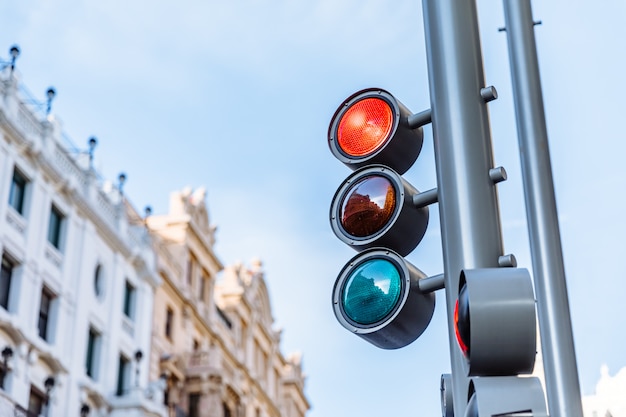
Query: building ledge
[(136, 402)]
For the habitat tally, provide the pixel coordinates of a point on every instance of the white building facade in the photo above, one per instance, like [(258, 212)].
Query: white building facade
[(104, 312), (77, 280)]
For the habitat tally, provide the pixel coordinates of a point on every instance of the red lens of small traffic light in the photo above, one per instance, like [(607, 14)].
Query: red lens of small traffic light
[(368, 206), (461, 322), (365, 127)]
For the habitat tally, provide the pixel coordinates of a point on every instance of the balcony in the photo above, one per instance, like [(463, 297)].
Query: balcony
[(176, 411), (8, 407), (138, 402), (20, 411), (203, 363)]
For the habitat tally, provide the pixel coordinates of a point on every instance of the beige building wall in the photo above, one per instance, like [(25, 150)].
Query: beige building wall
[(213, 339)]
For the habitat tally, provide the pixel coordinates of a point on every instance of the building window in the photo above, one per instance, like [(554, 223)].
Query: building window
[(222, 315), (226, 410), (5, 281), (45, 308), (244, 333), (194, 404), (18, 191), (264, 364), (97, 281), (54, 227), (276, 383), (36, 401), (169, 319), (123, 375), (166, 395), (7, 353), (203, 281), (191, 266), (93, 352), (196, 345), (261, 359), (129, 300)]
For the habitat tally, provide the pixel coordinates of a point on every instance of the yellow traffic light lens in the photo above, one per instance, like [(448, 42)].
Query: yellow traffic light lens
[(365, 127), (372, 291), (368, 206)]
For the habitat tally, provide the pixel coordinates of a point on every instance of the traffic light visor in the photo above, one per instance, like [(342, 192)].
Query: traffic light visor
[(372, 291), (365, 126), (368, 206)]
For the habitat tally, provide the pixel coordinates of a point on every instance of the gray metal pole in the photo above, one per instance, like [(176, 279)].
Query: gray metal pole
[(468, 204), (557, 342)]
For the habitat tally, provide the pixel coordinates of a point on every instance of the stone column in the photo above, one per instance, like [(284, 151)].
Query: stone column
[(211, 399)]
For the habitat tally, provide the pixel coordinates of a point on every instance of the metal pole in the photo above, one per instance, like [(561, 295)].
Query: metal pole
[(557, 342), (468, 204)]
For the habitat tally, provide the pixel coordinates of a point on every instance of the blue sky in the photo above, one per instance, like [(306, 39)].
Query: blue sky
[(236, 96)]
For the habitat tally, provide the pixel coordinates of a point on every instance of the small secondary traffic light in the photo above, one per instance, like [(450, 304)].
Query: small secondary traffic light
[(376, 295), (495, 327), (506, 396), (495, 321)]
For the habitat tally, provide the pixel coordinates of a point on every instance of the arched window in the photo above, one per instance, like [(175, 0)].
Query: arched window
[(226, 410), (98, 282)]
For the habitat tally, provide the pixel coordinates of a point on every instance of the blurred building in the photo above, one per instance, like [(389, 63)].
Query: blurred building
[(106, 312), (213, 338), (609, 399), (77, 281)]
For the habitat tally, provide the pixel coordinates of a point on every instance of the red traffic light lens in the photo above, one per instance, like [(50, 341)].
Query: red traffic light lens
[(462, 321), (368, 206), (365, 126)]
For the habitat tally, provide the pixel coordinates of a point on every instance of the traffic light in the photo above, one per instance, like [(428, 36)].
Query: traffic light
[(495, 327), (505, 396), (495, 321), (375, 211)]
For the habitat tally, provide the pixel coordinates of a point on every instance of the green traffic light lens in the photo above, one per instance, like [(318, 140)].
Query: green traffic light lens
[(372, 291), (368, 206)]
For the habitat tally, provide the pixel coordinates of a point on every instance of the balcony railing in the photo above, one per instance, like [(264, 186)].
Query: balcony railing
[(202, 363), (175, 411), (20, 411)]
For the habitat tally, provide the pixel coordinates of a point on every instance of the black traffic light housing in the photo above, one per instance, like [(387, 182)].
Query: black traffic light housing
[(396, 144), (377, 297), (374, 207)]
